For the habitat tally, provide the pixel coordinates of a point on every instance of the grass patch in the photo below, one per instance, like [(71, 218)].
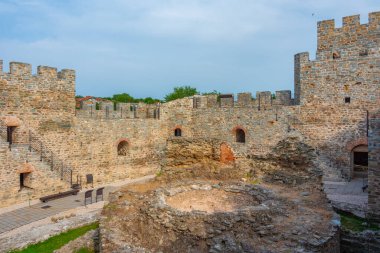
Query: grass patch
[(85, 250), (159, 173), (255, 181), (58, 241), (111, 207), (356, 224), (248, 174)]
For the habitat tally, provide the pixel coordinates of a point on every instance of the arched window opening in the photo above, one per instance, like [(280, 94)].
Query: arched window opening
[(363, 52), (336, 55), (178, 132), (122, 148), (240, 135), (360, 161), (10, 134)]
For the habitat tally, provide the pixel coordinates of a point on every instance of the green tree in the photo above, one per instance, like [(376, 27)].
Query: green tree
[(150, 100), (123, 98), (214, 92), (181, 92)]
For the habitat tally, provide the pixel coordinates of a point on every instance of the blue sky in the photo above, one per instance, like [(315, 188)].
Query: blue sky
[(146, 47)]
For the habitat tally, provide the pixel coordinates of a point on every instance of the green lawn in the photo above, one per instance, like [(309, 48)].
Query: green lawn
[(58, 241), (85, 250), (356, 224)]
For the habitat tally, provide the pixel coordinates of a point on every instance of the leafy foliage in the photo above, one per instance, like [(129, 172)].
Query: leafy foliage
[(214, 92), (178, 92), (126, 98), (181, 92)]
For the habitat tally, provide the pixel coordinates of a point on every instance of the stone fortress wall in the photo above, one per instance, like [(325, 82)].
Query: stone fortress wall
[(347, 66), (36, 99), (27, 103), (374, 166)]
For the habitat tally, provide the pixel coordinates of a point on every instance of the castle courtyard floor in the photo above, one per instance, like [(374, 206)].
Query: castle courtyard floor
[(348, 196), (25, 215)]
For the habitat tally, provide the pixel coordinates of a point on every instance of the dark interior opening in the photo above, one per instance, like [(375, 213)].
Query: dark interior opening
[(240, 136), (21, 180), (363, 52), (10, 131), (360, 166), (347, 100), (361, 158), (122, 148), (178, 132)]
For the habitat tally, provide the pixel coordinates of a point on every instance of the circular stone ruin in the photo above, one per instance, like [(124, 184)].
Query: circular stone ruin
[(209, 200), (206, 217)]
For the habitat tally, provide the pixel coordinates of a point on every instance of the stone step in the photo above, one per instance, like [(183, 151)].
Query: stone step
[(21, 153)]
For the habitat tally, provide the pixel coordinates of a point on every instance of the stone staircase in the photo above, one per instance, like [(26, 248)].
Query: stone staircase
[(21, 153), (43, 179)]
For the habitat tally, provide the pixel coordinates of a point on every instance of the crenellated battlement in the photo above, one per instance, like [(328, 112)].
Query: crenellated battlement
[(263, 100), (47, 78), (48, 72), (20, 69), (344, 71), (108, 110), (327, 27), (47, 92), (339, 42)]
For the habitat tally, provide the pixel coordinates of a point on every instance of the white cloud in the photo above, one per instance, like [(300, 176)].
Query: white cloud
[(209, 43), (221, 20)]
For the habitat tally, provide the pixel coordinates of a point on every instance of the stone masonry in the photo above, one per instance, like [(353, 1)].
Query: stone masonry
[(334, 108), (374, 166)]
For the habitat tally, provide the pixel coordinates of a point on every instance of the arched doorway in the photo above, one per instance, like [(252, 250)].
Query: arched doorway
[(178, 132), (122, 148), (226, 154), (359, 161), (240, 135), (12, 123)]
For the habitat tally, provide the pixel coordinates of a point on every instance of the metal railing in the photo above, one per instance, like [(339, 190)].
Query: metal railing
[(49, 157)]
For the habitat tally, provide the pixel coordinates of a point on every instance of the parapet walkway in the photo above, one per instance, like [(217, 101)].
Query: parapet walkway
[(25, 215)]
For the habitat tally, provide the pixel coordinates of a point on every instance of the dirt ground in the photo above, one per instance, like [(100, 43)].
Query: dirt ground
[(211, 201), (298, 214)]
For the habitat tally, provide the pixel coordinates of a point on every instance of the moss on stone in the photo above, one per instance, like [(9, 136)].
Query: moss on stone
[(355, 223)]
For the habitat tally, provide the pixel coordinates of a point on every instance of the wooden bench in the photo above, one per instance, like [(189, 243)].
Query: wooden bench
[(59, 195)]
